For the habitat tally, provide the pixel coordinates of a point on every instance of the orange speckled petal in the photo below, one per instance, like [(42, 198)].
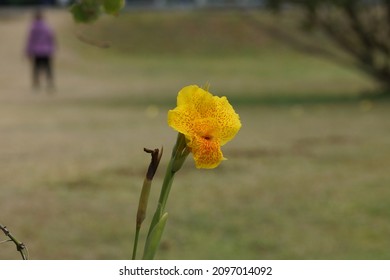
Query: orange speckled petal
[(207, 153)]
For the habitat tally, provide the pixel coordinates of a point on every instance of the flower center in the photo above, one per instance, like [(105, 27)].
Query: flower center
[(207, 137)]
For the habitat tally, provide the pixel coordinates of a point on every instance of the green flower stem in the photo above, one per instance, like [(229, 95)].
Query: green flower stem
[(141, 213), (137, 230), (153, 242), (144, 197), (179, 154)]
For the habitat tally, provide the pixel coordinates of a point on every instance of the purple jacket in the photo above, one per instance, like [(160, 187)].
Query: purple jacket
[(41, 41)]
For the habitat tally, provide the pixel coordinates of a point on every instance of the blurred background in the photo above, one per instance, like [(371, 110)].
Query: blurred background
[(307, 176)]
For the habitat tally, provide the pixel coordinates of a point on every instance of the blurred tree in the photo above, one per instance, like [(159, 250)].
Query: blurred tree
[(359, 27), (86, 11)]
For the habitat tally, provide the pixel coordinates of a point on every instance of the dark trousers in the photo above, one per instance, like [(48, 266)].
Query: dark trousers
[(42, 64)]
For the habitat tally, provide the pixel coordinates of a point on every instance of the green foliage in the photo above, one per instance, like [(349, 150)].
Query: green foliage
[(113, 7), (87, 11), (153, 241)]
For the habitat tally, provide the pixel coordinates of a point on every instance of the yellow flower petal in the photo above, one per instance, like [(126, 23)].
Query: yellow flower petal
[(181, 120), (227, 119), (207, 122)]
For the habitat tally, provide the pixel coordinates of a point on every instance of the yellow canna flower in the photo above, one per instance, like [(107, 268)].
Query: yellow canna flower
[(208, 122)]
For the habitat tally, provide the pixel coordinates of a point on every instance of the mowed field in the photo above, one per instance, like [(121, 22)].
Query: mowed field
[(307, 177)]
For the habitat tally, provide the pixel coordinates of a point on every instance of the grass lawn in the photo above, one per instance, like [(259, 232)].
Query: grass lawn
[(306, 177)]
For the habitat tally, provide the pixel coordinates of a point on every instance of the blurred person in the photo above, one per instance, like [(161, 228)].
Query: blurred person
[(40, 49)]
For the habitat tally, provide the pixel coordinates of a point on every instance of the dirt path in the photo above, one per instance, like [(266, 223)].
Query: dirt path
[(15, 82), (14, 71), (34, 125), (15, 67)]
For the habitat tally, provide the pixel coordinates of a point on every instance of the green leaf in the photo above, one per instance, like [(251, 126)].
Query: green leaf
[(86, 11), (113, 7), (153, 241)]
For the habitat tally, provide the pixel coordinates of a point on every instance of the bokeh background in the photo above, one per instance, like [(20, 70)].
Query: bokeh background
[(307, 177)]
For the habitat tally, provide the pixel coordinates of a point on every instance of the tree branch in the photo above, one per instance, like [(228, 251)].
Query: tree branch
[(20, 247)]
